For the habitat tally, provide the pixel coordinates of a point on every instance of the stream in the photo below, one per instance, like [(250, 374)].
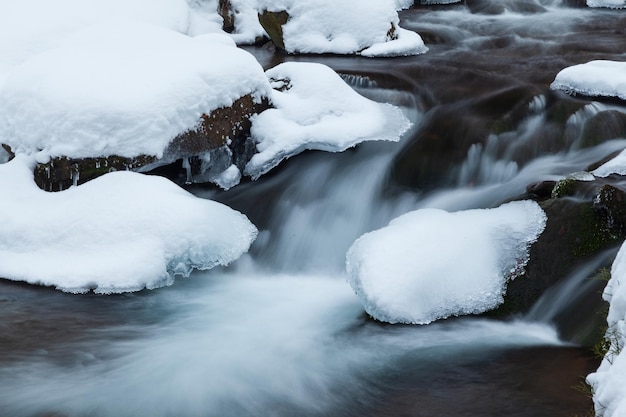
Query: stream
[(280, 332)]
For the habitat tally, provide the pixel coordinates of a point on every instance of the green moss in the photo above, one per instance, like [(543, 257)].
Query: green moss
[(591, 235), (563, 188)]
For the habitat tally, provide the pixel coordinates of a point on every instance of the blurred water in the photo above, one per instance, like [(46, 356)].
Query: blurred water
[(280, 333)]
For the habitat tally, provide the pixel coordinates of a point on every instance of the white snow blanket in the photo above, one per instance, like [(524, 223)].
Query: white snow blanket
[(430, 264), (34, 26), (611, 4), (125, 88), (121, 232), (316, 109), (595, 78), (609, 381), (328, 26)]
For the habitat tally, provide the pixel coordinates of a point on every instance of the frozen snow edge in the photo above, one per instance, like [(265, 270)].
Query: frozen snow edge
[(314, 109), (430, 264), (121, 232), (598, 78)]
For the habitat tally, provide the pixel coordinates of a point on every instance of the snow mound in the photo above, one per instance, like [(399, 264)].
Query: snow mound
[(328, 26), (594, 79), (609, 381), (35, 26), (316, 109), (611, 4), (120, 232), (430, 264), (125, 88)]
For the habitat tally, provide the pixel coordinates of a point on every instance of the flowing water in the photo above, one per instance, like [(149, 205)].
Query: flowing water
[(280, 333)]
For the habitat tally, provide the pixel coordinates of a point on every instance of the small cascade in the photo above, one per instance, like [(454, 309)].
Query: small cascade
[(575, 305)]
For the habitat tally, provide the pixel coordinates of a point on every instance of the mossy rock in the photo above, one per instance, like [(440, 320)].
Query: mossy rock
[(574, 232), (273, 23)]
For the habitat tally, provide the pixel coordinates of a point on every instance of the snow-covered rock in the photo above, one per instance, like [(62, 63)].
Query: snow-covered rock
[(609, 381), (611, 4), (326, 26), (595, 79), (430, 264), (35, 26), (316, 109), (616, 165), (121, 232), (124, 89)]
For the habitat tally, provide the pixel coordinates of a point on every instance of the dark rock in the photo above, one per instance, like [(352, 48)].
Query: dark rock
[(606, 125), (542, 189), (610, 205), (574, 232), (225, 10), (273, 23), (575, 3), (225, 131), (450, 131)]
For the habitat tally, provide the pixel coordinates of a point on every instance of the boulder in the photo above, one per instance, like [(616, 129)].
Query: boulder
[(273, 23), (222, 134)]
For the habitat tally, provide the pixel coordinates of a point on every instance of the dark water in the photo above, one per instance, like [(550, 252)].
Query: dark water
[(280, 332)]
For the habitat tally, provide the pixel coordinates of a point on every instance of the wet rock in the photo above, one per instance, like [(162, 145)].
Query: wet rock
[(273, 23), (574, 232), (610, 205), (440, 145), (541, 189), (606, 125), (224, 131)]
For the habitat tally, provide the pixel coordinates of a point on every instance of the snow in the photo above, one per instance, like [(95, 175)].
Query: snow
[(121, 232), (595, 78), (616, 165), (317, 110), (125, 88), (430, 264), (612, 4), (328, 26), (35, 26), (609, 381)]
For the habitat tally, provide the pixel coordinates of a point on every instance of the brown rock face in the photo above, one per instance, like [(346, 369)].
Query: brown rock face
[(226, 128), (225, 10), (273, 23)]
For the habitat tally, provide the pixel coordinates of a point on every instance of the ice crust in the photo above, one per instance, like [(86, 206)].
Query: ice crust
[(125, 88), (430, 264), (317, 110), (328, 26), (611, 4), (121, 232), (609, 381), (595, 78)]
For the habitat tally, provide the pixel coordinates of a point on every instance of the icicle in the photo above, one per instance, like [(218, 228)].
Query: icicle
[(187, 167)]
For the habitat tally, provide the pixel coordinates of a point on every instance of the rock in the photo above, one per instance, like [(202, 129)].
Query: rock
[(439, 145), (221, 136), (225, 10), (574, 232), (610, 205), (541, 189), (606, 125), (273, 23)]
